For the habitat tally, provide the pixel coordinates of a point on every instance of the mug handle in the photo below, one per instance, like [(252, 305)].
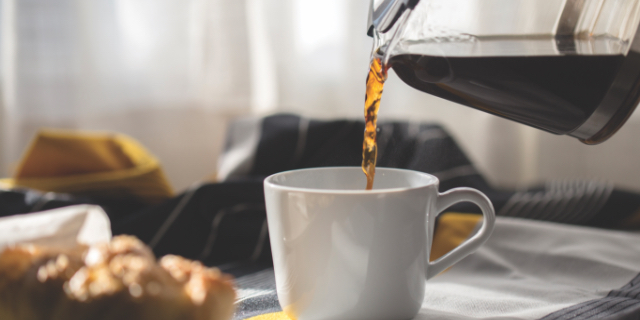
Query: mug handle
[(447, 199)]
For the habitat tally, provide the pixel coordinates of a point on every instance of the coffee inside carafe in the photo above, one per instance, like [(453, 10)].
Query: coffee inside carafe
[(553, 93)]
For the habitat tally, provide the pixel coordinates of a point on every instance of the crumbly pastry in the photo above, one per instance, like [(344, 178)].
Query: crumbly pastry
[(117, 280)]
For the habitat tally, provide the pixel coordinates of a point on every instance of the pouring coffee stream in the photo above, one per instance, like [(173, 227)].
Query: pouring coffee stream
[(376, 77), (375, 85), (568, 67)]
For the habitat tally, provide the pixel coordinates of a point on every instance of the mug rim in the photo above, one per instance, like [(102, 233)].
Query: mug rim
[(268, 181)]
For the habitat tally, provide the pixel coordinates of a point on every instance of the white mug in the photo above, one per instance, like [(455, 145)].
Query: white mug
[(342, 252)]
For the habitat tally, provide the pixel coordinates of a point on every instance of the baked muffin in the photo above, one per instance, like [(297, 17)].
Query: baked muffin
[(117, 280)]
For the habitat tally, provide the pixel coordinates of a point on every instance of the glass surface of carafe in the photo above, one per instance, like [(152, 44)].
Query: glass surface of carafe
[(564, 66)]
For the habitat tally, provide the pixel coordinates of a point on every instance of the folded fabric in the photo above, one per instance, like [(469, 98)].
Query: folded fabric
[(216, 223), (96, 165), (527, 270), (60, 228)]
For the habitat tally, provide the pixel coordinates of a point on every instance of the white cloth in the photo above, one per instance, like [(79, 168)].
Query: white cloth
[(529, 269), (63, 227)]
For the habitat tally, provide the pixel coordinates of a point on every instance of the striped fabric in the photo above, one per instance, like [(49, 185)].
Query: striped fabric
[(620, 303), (575, 202), (257, 147)]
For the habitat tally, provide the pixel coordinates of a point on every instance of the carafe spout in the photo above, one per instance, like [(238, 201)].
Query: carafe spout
[(383, 14)]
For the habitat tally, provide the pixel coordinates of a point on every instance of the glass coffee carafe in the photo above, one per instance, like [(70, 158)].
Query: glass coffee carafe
[(564, 66)]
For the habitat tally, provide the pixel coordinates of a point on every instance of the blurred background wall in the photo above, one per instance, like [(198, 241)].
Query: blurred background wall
[(172, 73)]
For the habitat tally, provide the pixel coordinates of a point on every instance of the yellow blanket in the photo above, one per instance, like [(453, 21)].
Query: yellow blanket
[(101, 165)]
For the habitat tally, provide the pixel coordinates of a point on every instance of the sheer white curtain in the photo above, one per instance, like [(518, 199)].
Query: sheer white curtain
[(167, 72), (172, 72)]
